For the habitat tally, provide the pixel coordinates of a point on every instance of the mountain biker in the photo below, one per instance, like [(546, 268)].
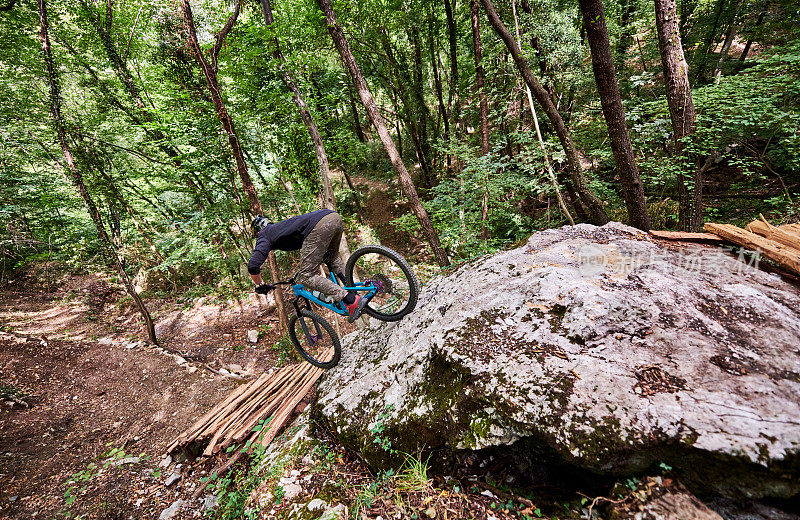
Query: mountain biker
[(317, 235)]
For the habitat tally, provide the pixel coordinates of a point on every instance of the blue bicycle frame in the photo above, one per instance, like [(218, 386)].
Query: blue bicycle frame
[(301, 291)]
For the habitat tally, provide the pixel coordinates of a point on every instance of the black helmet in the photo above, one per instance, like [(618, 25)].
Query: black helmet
[(259, 223)]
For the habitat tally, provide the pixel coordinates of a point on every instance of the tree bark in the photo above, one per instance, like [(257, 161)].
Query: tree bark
[(406, 183), (681, 111), (603, 67), (54, 102), (210, 73), (590, 200)]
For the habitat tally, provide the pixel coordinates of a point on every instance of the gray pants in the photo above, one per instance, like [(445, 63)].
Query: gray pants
[(322, 245)]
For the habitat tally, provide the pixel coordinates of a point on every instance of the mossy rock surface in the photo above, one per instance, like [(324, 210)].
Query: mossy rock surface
[(613, 350)]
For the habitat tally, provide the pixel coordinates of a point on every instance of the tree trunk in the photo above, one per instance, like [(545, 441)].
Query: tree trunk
[(681, 111), (210, 73), (749, 43), (474, 9), (706, 48), (479, 79), (351, 101), (76, 175), (437, 82), (591, 201), (603, 66), (726, 44), (453, 102), (406, 183)]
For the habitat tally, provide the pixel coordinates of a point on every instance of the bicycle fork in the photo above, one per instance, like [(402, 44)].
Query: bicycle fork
[(312, 339)]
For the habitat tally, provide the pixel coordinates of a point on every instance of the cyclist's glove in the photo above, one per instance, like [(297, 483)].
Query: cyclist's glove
[(264, 288)]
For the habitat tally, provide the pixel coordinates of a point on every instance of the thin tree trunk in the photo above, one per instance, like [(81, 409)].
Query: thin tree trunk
[(351, 101), (546, 156), (328, 197), (76, 175), (591, 201), (406, 183), (453, 101), (726, 44), (681, 111), (437, 82), (474, 9), (594, 22), (749, 43), (625, 38), (210, 73), (706, 48)]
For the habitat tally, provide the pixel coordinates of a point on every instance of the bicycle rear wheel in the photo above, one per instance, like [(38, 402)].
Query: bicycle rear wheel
[(396, 284), (315, 339)]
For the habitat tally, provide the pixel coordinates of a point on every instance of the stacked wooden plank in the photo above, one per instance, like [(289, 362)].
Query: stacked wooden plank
[(690, 237), (781, 244), (253, 412)]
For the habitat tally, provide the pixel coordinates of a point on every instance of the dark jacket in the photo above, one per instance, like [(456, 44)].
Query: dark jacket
[(286, 235)]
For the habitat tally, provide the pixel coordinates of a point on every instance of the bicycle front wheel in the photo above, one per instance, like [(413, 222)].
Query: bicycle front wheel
[(396, 284), (315, 339)]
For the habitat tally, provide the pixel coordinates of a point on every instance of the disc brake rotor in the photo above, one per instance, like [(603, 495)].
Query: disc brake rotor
[(381, 282)]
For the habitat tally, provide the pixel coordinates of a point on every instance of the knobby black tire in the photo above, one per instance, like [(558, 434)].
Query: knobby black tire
[(322, 322), (413, 283)]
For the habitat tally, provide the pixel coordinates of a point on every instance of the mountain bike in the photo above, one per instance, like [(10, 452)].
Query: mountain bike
[(375, 272)]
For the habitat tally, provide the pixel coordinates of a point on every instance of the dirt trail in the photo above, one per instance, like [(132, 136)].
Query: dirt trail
[(89, 396)]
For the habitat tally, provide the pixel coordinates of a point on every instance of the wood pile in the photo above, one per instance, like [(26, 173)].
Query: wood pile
[(776, 244), (780, 244), (253, 412)]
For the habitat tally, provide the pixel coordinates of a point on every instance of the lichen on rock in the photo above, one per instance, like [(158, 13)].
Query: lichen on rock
[(598, 343)]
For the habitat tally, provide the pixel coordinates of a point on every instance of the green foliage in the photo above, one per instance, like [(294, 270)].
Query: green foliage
[(80, 481), (159, 167)]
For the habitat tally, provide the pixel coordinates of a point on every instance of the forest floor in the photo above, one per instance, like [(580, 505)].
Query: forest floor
[(101, 404), (89, 407)]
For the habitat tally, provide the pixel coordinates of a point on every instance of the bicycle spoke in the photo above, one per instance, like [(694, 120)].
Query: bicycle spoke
[(313, 339)]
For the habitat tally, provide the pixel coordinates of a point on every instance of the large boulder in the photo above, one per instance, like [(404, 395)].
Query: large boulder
[(598, 346)]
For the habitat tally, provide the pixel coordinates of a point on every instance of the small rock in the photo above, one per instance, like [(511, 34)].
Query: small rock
[(294, 473), (210, 502), (171, 511), (192, 369), (166, 461), (316, 505), (487, 493), (173, 478), (13, 499), (430, 512), (285, 481), (252, 336), (290, 491), (235, 368), (126, 460)]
